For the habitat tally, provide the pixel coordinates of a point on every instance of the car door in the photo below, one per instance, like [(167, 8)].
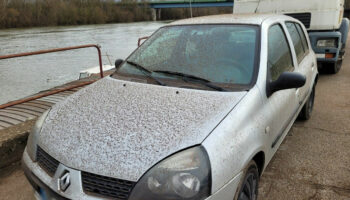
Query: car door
[(283, 104), (306, 62)]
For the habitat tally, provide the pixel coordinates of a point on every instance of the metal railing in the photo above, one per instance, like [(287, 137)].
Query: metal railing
[(40, 95), (58, 50)]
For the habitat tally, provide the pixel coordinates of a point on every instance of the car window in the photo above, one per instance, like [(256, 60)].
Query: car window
[(297, 42), (219, 53), (303, 38), (159, 51), (279, 54)]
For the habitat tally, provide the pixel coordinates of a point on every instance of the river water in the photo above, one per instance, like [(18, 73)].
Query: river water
[(21, 77)]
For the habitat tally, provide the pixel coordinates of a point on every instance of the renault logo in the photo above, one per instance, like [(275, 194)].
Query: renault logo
[(64, 181)]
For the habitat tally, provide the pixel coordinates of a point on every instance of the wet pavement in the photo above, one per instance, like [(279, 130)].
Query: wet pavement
[(314, 160)]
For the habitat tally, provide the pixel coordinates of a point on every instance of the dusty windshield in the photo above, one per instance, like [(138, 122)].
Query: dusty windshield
[(221, 54)]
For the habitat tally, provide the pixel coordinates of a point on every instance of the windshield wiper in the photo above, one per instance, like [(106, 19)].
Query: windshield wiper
[(146, 72), (189, 77)]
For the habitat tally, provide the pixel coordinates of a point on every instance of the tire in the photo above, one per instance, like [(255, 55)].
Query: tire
[(330, 68), (248, 188), (335, 67), (306, 111)]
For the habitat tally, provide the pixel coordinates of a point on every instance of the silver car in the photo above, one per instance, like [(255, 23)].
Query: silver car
[(196, 112)]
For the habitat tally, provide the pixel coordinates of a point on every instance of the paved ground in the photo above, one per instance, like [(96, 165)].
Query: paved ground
[(314, 160), (313, 163)]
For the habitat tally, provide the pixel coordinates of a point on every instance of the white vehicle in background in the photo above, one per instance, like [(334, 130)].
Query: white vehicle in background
[(196, 112), (94, 70), (328, 30)]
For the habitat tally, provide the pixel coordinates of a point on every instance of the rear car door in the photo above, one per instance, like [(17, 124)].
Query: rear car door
[(283, 104), (306, 62)]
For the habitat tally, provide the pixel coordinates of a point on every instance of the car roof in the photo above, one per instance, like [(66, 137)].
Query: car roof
[(255, 19)]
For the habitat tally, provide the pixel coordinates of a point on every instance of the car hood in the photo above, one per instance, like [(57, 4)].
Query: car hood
[(121, 129)]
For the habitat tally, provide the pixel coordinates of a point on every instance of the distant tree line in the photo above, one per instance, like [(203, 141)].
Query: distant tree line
[(29, 13), (22, 13)]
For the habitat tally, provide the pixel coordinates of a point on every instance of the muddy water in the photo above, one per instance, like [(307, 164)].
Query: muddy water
[(21, 77)]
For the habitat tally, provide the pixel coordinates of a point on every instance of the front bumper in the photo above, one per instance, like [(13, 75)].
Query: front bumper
[(322, 51), (41, 181), (39, 186)]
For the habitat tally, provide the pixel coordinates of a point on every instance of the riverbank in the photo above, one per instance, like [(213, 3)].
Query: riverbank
[(39, 13), (21, 77)]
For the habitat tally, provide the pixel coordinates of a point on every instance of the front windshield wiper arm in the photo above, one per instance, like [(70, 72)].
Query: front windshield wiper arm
[(146, 72), (188, 77)]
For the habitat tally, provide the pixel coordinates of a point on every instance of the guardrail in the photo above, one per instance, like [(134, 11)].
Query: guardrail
[(57, 90), (58, 50)]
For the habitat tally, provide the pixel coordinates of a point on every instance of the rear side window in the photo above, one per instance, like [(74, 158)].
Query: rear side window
[(279, 54), (303, 38), (297, 42)]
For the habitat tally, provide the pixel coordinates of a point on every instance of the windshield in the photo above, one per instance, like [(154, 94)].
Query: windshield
[(221, 54)]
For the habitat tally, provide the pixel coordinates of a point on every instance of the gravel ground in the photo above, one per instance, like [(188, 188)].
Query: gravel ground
[(313, 163)]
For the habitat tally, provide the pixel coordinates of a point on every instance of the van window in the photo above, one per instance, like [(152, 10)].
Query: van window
[(279, 54), (297, 42)]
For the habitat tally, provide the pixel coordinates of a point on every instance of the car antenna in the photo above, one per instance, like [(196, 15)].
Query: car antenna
[(257, 6), (191, 8)]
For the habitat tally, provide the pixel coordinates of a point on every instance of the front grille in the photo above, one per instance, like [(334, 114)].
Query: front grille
[(305, 18), (46, 162), (106, 186)]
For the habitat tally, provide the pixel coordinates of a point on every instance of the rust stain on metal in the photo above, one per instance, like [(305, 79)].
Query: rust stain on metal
[(140, 39)]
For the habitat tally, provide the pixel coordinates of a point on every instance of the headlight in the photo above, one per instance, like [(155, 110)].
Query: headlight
[(33, 136), (327, 43), (183, 176)]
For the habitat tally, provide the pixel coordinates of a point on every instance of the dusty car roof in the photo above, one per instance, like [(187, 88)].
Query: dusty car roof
[(226, 19)]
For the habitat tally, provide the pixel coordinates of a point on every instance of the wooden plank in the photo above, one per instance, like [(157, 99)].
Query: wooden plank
[(9, 120), (28, 107), (47, 99), (13, 116), (57, 98), (22, 110), (36, 105), (23, 114), (43, 102), (5, 124)]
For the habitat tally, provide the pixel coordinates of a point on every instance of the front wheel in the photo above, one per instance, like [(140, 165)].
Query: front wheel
[(248, 189), (306, 111)]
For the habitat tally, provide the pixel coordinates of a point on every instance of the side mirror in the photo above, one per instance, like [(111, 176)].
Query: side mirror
[(118, 62), (287, 80)]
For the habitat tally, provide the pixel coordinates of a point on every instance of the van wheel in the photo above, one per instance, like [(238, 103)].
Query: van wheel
[(248, 189), (335, 67), (306, 111)]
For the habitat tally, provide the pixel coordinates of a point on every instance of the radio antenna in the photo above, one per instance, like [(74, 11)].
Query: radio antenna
[(191, 8), (257, 7)]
